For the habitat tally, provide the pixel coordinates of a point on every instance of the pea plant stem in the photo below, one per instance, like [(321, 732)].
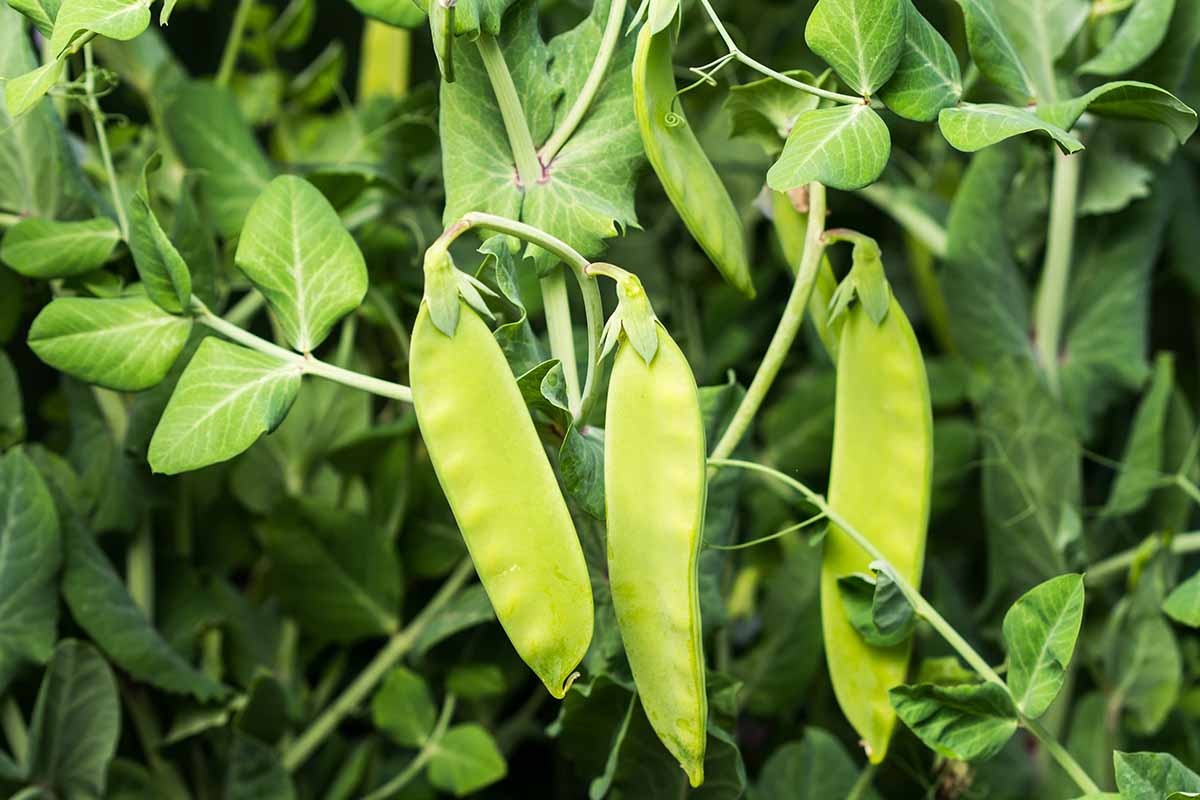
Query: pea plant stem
[(233, 44), (354, 695), (591, 85), (557, 306), (93, 107), (1056, 270), (306, 364), (592, 306), (927, 612), (529, 169), (736, 52), (414, 767), (1117, 565), (785, 333)]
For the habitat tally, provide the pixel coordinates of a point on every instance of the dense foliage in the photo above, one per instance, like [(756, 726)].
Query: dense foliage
[(228, 568)]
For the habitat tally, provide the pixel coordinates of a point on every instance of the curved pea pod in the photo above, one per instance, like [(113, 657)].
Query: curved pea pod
[(655, 485), (880, 483), (503, 493), (691, 182)]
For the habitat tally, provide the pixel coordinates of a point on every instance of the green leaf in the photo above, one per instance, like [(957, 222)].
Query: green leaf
[(30, 553), (1031, 478), (44, 248), (576, 202), (815, 768), (76, 723), (1144, 666), (399, 13), (1140, 34), (928, 77), (23, 92), (40, 12), (1040, 31), (12, 415), (403, 708), (465, 760), (992, 50), (39, 174), (1169, 64), (296, 250), (984, 289), (213, 141), (861, 39), (469, 608), (845, 147), (227, 397), (968, 723), (973, 127), (877, 609), (116, 19), (334, 572), (1152, 776), (765, 110), (162, 269), (125, 343), (473, 16), (255, 772), (103, 607), (1183, 603), (1040, 630), (1141, 467), (1126, 100)]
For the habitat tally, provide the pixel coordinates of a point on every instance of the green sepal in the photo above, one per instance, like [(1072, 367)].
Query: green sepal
[(634, 314), (867, 279), (445, 284)]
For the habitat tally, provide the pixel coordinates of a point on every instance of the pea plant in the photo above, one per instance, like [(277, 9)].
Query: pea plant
[(410, 398)]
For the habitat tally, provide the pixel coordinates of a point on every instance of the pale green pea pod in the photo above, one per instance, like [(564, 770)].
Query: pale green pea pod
[(687, 175), (880, 483), (655, 484), (503, 493)]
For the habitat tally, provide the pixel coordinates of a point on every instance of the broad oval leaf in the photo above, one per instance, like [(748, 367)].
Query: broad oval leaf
[(1140, 34), (23, 92), (465, 760), (1039, 635), (76, 723), (403, 708), (861, 39), (115, 19), (212, 139), (30, 553), (40, 12), (968, 722), (974, 127), (296, 250), (846, 148), (162, 270), (123, 343), (1126, 100), (1152, 776), (992, 50), (45, 248), (1183, 603), (226, 398), (928, 78)]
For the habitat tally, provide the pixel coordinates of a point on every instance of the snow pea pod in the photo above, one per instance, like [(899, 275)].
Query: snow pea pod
[(880, 483), (504, 495), (654, 473), (691, 182)]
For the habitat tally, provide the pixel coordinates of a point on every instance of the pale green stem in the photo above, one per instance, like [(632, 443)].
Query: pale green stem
[(785, 333), (862, 786), (244, 310), (354, 695), (592, 306), (1115, 566), (15, 731), (305, 364), (427, 751), (93, 107), (529, 169), (769, 538), (847, 99), (233, 44), (557, 306), (928, 613), (608, 44), (1056, 270), (1189, 488)]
